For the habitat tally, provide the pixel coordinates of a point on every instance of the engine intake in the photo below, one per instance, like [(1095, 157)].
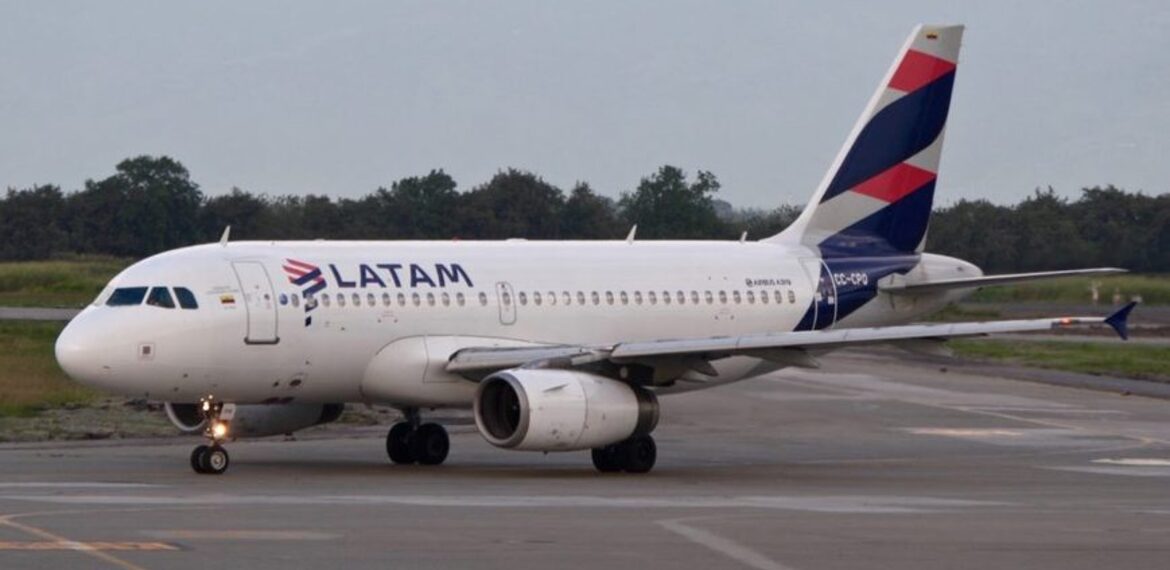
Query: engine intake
[(560, 410)]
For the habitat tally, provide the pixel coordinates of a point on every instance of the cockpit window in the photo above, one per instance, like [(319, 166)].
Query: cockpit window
[(126, 296), (160, 297), (186, 298)]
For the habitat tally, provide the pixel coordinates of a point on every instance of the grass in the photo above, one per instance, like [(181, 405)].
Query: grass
[(1142, 361), (30, 380), (58, 283), (1153, 288)]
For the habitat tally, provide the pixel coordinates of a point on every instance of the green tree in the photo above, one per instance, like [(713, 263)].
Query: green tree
[(666, 206), (589, 216), (149, 205), (32, 223), (513, 204)]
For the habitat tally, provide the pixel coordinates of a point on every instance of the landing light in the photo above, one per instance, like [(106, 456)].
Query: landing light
[(219, 430)]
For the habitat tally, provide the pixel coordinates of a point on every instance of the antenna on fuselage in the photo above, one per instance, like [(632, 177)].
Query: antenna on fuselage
[(633, 231), (223, 239)]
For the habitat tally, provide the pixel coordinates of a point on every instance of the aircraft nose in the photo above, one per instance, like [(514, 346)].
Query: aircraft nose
[(79, 351)]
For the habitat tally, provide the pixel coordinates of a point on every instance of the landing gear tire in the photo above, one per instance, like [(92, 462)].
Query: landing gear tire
[(215, 460), (638, 454), (431, 444), (210, 460), (197, 458), (606, 460), (399, 444), (634, 455)]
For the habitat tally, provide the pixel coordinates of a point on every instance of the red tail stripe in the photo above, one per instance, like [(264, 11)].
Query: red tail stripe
[(294, 271), (918, 69), (895, 183)]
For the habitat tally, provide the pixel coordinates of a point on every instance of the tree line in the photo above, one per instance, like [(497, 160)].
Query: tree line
[(151, 204)]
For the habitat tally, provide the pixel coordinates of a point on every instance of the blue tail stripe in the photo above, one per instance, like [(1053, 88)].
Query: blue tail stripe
[(894, 134), (895, 229)]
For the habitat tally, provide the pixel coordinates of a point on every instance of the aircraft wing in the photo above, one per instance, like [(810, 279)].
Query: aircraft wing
[(903, 287), (784, 347)]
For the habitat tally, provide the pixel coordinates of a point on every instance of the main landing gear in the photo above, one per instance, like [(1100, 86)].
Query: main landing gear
[(634, 455), (411, 442), (213, 459)]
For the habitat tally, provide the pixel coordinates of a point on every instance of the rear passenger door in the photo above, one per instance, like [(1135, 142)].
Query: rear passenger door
[(259, 302)]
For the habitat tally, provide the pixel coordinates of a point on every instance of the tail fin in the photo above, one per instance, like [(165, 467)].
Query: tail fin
[(876, 199)]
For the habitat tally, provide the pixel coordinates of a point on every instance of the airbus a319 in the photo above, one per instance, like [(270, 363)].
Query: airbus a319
[(555, 345)]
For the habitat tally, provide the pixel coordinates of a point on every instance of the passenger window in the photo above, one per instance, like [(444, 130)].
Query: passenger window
[(596, 298), (735, 296), (460, 299), (791, 296), (566, 297), (652, 298), (370, 300), (401, 300), (694, 297), (625, 298), (552, 297), (507, 298), (764, 297), (340, 300), (666, 297), (431, 299), (536, 298), (325, 300), (580, 297), (160, 297), (709, 297), (482, 299), (295, 298), (609, 297), (187, 298), (682, 298), (723, 297), (385, 299), (415, 299), (523, 298), (637, 297), (751, 298), (357, 300), (446, 299)]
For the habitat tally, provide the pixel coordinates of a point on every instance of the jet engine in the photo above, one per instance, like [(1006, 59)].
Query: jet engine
[(560, 410), (257, 420)]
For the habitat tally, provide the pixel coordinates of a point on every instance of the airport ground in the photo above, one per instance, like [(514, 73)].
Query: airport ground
[(872, 461)]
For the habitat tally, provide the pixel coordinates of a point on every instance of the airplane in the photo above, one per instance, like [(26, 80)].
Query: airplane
[(554, 345)]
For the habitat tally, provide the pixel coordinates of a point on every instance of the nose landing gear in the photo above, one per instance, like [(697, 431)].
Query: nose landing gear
[(213, 459), (409, 442)]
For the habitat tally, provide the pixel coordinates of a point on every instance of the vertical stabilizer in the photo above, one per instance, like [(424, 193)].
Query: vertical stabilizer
[(876, 198)]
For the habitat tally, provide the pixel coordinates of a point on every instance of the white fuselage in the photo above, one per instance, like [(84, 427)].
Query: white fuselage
[(386, 316)]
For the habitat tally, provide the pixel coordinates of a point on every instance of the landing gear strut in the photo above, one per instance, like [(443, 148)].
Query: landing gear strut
[(411, 442), (634, 455), (213, 459)]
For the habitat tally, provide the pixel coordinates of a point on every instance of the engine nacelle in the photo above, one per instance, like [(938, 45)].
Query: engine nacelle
[(257, 420), (560, 410)]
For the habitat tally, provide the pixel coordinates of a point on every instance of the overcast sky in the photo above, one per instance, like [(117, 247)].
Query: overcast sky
[(343, 97)]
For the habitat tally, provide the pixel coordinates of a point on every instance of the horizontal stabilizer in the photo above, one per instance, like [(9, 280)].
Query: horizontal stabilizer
[(989, 280)]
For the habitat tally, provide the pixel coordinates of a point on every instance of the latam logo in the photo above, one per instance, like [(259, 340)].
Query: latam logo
[(401, 275), (309, 278), (382, 275)]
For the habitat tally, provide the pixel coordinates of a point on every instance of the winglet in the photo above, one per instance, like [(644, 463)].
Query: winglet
[(227, 232), (633, 232), (1119, 320)]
